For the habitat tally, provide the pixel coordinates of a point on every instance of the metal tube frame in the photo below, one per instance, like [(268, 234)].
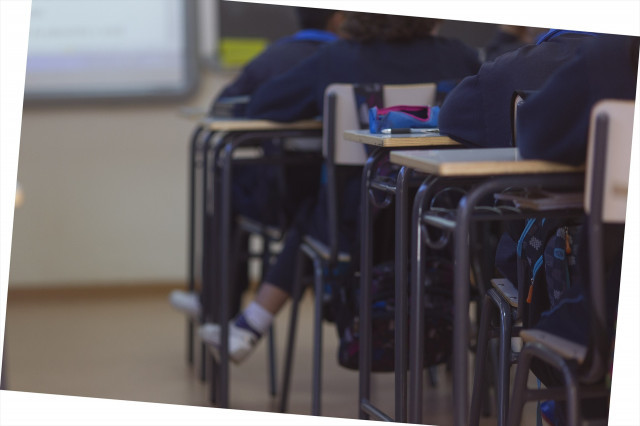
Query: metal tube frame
[(222, 171), (580, 381), (492, 302), (193, 166), (370, 182), (400, 190), (464, 216), (296, 295)]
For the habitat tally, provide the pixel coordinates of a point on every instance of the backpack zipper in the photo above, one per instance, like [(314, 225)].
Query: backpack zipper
[(536, 268)]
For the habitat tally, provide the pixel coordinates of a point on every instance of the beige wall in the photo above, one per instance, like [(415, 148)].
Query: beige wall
[(105, 192)]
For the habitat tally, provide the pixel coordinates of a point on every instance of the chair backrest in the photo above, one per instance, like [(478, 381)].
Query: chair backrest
[(608, 158), (517, 99), (606, 186), (340, 115)]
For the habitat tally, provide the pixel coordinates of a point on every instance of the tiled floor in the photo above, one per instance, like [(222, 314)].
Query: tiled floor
[(129, 344)]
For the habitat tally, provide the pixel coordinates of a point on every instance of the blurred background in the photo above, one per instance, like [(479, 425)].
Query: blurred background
[(112, 93)]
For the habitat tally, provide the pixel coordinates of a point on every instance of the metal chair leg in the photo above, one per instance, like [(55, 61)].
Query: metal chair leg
[(193, 166), (504, 357), (293, 322), (317, 339), (488, 310), (519, 389), (271, 355), (492, 302), (521, 393)]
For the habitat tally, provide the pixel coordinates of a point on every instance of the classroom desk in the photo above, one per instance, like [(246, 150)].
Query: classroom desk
[(383, 143), (406, 140), (213, 144), (495, 169)]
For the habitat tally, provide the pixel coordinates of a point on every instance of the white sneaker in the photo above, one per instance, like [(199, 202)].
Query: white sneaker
[(241, 341), (187, 302)]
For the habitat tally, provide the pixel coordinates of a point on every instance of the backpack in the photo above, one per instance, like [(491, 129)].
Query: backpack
[(545, 253), (438, 315)]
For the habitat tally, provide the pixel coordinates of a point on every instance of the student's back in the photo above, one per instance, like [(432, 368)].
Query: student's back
[(362, 59), (553, 125), (379, 49), (319, 27), (477, 112), (602, 68)]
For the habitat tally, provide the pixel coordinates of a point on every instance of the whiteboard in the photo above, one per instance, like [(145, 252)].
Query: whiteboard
[(110, 49)]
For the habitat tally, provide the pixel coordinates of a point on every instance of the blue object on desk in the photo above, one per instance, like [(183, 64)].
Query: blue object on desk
[(403, 117)]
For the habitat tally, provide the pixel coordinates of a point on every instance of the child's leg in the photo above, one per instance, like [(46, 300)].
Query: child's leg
[(247, 328), (271, 297)]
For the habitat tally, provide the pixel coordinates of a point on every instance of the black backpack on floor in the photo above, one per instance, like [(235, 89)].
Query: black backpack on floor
[(438, 315)]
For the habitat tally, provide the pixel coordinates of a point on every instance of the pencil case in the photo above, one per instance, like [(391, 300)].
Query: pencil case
[(403, 117)]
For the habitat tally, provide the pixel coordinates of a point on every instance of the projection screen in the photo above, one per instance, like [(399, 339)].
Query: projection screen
[(104, 49)]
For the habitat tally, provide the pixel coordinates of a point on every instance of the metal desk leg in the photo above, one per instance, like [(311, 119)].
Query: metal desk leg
[(212, 260), (401, 297), (225, 274), (480, 367), (293, 322), (366, 263), (316, 382), (416, 330), (271, 363), (193, 164), (461, 311), (206, 243)]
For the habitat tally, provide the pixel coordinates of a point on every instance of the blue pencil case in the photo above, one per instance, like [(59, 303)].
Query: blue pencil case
[(403, 117)]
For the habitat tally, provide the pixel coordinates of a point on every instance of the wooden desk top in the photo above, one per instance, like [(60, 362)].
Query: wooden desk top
[(399, 141), (246, 125), (476, 162)]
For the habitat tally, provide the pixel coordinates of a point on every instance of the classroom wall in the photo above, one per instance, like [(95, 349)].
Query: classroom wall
[(105, 190)]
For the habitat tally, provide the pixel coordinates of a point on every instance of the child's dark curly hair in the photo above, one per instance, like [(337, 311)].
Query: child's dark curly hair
[(363, 27)]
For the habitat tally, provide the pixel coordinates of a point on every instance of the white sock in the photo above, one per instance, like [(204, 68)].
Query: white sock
[(258, 317)]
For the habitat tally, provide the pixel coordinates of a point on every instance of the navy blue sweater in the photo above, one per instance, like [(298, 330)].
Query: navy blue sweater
[(299, 93), (477, 112), (553, 124), (278, 58)]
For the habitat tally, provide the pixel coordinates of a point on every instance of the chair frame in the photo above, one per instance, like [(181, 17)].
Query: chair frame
[(582, 381), (329, 255)]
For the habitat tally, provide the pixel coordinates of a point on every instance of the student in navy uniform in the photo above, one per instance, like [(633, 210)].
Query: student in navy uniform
[(553, 125), (318, 27), (603, 69), (376, 49), (253, 187), (477, 112)]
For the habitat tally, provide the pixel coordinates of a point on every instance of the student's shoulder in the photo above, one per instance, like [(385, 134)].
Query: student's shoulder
[(288, 44), (525, 57)]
